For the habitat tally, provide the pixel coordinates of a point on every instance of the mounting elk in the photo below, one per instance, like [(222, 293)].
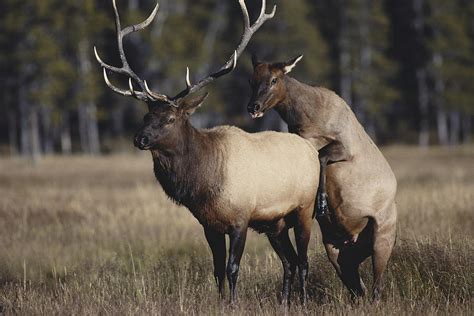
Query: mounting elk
[(361, 219), (230, 180)]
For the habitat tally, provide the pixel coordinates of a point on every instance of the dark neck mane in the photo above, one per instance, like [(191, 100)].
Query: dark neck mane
[(192, 173)]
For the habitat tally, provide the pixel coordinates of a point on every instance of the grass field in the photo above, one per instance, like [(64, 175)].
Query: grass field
[(97, 235)]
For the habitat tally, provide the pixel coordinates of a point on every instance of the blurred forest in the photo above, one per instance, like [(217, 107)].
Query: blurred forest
[(406, 67)]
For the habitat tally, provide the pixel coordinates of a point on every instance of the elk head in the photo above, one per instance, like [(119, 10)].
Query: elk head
[(163, 127), (168, 115), (268, 85)]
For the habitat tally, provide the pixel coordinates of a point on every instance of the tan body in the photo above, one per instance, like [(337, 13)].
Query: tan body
[(267, 176), (360, 184), (365, 169)]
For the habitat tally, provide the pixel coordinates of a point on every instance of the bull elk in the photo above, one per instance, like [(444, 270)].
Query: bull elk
[(361, 218), (230, 180)]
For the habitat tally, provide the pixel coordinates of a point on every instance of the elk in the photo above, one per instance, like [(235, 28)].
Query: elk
[(360, 218), (230, 180)]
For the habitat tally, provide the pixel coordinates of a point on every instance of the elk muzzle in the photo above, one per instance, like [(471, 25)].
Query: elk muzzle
[(141, 141), (254, 109)]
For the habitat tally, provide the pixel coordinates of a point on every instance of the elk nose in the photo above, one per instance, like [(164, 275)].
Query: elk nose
[(141, 141), (255, 107), (144, 140)]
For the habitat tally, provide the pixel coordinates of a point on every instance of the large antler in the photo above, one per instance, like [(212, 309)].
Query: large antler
[(146, 94), (230, 65)]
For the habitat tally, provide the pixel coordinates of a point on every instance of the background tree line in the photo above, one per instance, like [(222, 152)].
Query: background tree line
[(406, 67)]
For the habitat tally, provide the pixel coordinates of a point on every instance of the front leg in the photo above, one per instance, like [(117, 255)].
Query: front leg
[(216, 242), (331, 153), (302, 236), (236, 249), (285, 251)]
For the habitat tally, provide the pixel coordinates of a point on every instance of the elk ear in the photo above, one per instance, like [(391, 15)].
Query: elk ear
[(255, 61), (192, 104), (290, 64)]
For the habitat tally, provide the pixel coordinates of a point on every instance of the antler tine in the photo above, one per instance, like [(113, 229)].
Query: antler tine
[(115, 89), (107, 66), (188, 81), (146, 94), (250, 30), (245, 14), (157, 96), (120, 35), (141, 26), (231, 63)]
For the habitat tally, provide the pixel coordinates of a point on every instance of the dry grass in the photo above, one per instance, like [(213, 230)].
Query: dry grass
[(97, 235)]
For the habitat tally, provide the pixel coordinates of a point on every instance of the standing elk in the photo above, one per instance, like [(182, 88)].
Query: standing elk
[(361, 218), (230, 180)]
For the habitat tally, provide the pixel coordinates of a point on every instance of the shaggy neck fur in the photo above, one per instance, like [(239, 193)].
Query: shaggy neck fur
[(191, 173)]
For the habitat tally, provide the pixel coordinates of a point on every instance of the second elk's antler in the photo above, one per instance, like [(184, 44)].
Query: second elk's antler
[(149, 96)]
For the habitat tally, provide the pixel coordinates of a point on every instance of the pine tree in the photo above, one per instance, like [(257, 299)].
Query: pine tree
[(451, 69), (358, 33)]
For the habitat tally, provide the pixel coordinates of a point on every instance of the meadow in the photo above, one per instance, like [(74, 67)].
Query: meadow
[(82, 235)]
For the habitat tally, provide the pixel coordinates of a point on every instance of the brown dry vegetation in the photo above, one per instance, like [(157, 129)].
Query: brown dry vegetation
[(97, 235)]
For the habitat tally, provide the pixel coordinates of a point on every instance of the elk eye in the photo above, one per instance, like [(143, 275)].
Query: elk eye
[(171, 119), (274, 80)]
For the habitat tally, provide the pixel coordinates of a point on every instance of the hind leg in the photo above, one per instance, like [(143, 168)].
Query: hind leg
[(346, 262), (347, 259), (384, 240)]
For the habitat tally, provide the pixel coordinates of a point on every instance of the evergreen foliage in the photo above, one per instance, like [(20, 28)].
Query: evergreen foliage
[(370, 52)]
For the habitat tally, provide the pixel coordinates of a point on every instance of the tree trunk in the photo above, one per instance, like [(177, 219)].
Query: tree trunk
[(365, 62), (466, 128), (25, 144), (35, 134), (424, 131), (455, 127), (442, 126), (117, 121), (82, 121), (88, 126), (215, 27), (345, 76), (66, 144), (423, 106), (47, 139), (154, 64), (441, 117), (12, 133), (93, 129)]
